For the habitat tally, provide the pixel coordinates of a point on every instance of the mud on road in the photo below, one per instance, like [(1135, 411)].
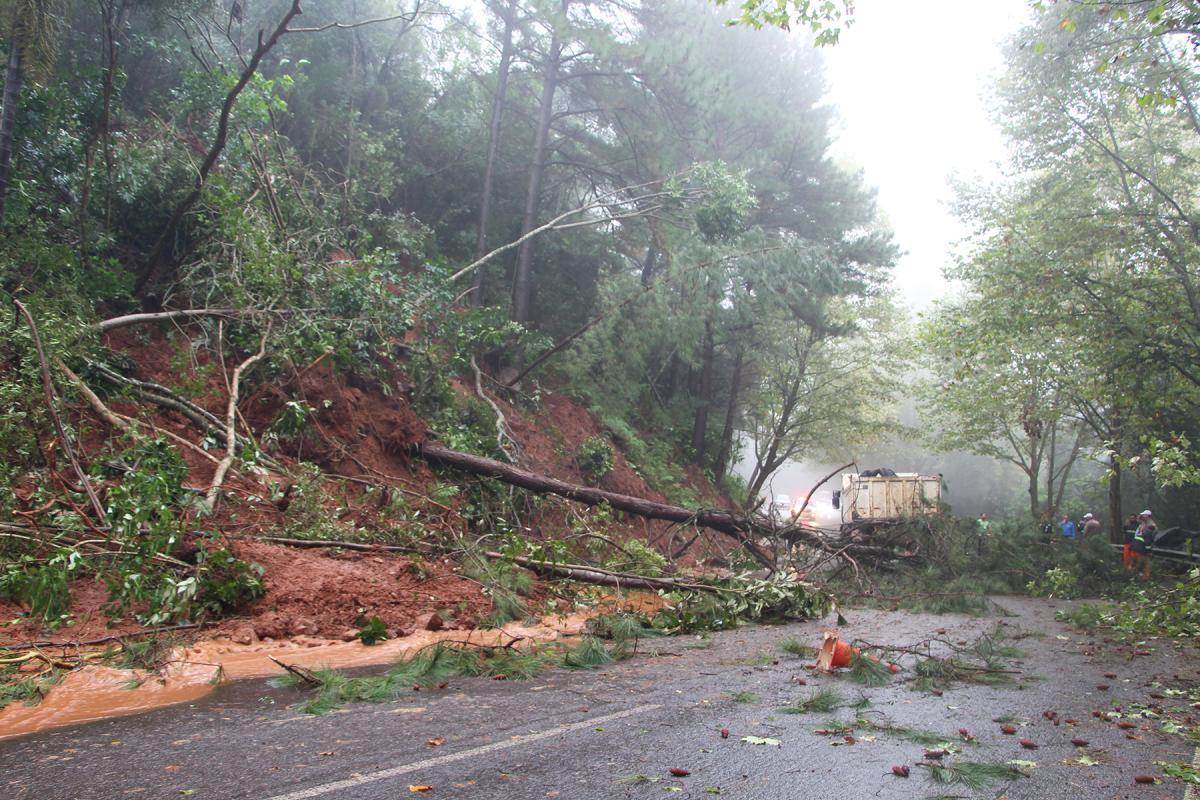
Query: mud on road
[(619, 731)]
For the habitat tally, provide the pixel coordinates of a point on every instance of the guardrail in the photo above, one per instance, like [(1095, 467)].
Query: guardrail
[(1174, 555)]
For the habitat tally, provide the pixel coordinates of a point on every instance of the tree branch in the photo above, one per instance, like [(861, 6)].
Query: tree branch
[(48, 390)]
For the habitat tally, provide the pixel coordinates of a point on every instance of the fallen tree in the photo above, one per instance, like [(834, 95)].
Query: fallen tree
[(740, 527), (744, 528)]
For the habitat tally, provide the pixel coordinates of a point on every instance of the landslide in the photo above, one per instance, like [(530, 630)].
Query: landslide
[(347, 473)]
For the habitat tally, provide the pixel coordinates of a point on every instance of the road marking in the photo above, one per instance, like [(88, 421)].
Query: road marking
[(1191, 793), (371, 777)]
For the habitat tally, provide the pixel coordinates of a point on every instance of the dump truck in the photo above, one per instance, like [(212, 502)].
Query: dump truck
[(886, 496)]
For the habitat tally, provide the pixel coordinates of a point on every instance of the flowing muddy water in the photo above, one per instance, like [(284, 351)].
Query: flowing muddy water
[(96, 692)]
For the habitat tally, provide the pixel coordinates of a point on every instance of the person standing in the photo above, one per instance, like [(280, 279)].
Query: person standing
[(1143, 541), (1091, 526), (981, 527), (1069, 531), (1130, 528)]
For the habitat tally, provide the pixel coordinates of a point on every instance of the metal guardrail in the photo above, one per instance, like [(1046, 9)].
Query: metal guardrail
[(1161, 552)]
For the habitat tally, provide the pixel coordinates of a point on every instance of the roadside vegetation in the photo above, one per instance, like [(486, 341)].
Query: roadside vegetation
[(253, 283)]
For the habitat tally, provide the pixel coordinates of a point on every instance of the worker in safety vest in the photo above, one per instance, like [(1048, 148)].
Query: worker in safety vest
[(1128, 531), (1143, 541)]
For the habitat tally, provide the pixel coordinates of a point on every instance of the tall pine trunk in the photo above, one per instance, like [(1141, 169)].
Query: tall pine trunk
[(509, 15), (14, 77), (522, 276), (1115, 534), (1034, 498), (721, 463), (700, 426)]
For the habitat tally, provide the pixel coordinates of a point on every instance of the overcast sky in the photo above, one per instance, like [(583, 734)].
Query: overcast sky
[(911, 81)]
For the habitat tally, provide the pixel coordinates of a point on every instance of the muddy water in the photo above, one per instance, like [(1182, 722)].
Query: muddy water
[(95, 692)]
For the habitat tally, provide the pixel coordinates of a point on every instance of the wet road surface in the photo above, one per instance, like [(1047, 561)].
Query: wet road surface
[(617, 732)]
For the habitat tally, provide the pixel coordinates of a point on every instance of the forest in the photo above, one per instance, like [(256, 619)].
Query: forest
[(263, 262)]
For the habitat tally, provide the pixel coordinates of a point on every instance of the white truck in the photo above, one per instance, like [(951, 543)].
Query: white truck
[(875, 497)]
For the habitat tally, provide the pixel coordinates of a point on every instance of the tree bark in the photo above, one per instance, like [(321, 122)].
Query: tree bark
[(1115, 534), (700, 423), (602, 577), (649, 264), (721, 463), (522, 274), (166, 239), (14, 78), (508, 14), (1034, 499), (1051, 506), (738, 526)]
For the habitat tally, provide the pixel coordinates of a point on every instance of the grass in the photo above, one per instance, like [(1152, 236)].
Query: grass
[(762, 658), (743, 697), (822, 700), (702, 643)]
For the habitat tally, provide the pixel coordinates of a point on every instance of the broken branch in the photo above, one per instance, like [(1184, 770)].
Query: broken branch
[(210, 499), (738, 527), (48, 390)]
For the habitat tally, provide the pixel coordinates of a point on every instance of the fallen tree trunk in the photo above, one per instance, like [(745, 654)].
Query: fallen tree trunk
[(576, 572), (740, 527), (106, 325), (602, 577)]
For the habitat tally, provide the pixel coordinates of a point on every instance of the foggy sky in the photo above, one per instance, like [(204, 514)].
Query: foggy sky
[(910, 81)]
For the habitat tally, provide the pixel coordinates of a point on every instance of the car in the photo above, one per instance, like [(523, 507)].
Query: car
[(781, 508), (804, 514)]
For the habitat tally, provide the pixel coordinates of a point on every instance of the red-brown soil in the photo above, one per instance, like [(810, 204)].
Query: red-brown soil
[(315, 593), (364, 432), (87, 621)]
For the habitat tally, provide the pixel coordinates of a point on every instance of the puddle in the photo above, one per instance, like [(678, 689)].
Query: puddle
[(96, 692)]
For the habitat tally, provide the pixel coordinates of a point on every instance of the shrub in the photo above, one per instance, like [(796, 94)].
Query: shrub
[(639, 558), (595, 458)]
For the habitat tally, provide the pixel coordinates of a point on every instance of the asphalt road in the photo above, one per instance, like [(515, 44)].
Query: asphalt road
[(589, 735)]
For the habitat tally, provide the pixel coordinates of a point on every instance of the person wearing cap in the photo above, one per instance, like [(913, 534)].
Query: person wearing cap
[(1143, 539), (1091, 526)]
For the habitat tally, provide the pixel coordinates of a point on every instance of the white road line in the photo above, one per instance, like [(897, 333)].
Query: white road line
[(1191, 793), (371, 777)]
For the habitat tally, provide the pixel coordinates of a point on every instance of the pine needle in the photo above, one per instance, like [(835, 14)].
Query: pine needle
[(973, 774), (868, 672), (822, 700), (794, 647), (429, 667), (621, 627), (588, 654)]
